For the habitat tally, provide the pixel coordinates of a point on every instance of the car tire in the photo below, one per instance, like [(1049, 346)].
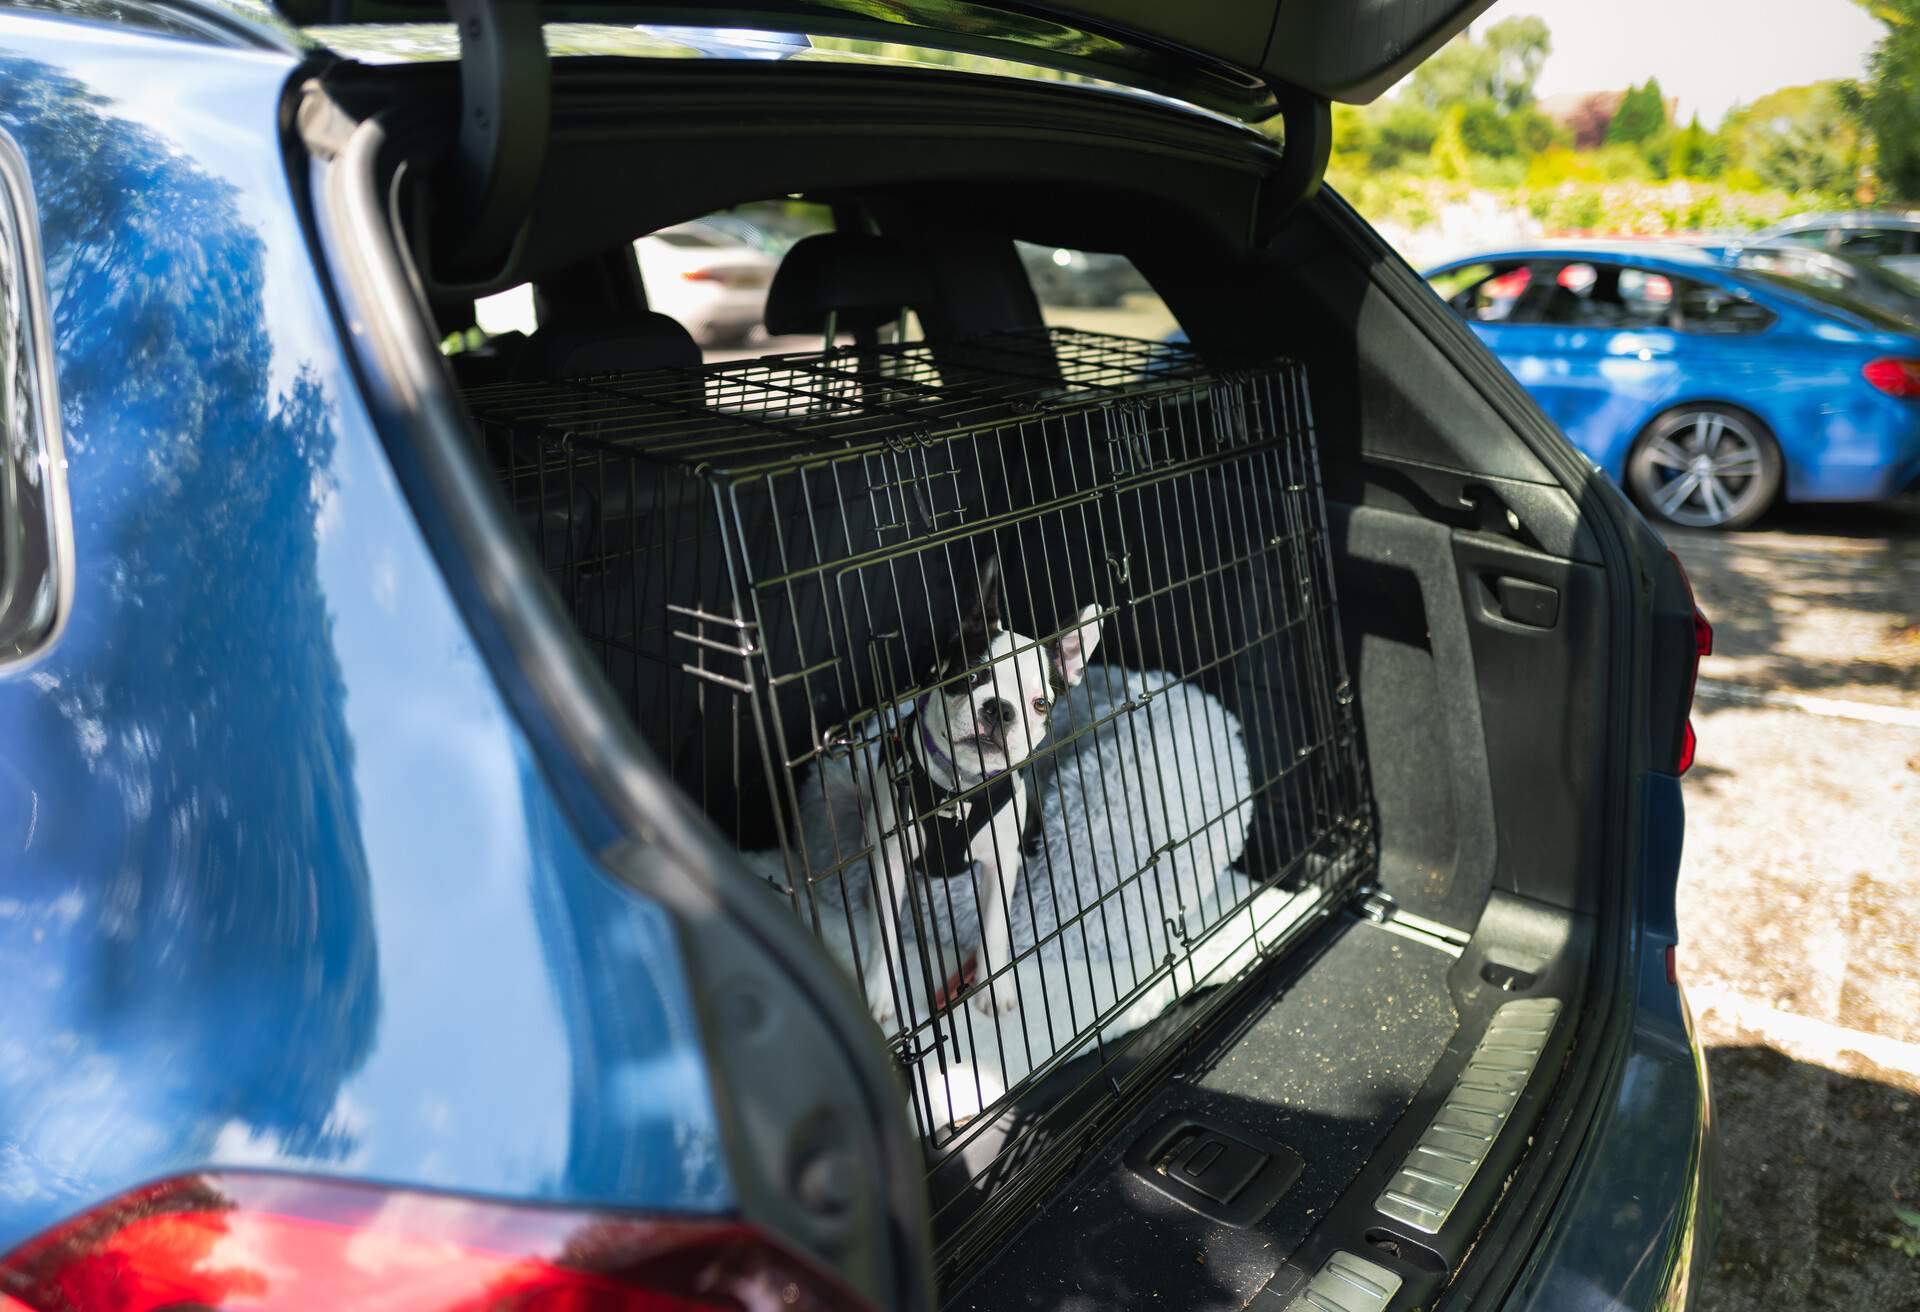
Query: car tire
[(1705, 466)]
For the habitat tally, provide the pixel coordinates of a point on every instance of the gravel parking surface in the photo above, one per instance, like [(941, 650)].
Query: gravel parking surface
[(1800, 903)]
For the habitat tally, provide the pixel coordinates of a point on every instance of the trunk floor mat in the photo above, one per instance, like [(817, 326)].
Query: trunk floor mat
[(1325, 1067)]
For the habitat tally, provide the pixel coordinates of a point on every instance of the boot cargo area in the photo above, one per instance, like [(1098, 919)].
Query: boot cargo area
[(1133, 723)]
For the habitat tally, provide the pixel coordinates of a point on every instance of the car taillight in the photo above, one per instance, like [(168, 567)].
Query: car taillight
[(257, 1243), (705, 275), (1702, 646), (1894, 377)]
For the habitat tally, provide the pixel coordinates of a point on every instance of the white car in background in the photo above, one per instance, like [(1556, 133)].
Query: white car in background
[(713, 283)]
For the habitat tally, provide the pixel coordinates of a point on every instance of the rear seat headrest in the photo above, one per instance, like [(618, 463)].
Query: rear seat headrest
[(606, 343), (863, 279)]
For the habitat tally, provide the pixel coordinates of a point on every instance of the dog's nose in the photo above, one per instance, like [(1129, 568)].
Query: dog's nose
[(996, 713)]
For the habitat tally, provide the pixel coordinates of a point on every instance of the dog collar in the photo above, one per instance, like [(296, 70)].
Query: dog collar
[(946, 826)]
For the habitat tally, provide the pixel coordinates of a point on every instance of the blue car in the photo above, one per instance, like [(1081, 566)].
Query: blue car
[(415, 739), (1711, 392)]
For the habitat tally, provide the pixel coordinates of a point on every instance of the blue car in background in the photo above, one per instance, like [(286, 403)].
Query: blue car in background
[(1709, 391)]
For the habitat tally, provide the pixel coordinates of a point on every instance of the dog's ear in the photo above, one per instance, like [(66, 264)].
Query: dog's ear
[(979, 625), (983, 621), (1075, 648)]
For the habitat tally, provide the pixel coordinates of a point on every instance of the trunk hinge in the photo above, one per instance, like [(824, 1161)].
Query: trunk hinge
[(505, 107), (1303, 160)]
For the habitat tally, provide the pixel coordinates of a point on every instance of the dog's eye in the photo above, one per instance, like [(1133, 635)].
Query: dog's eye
[(1041, 705)]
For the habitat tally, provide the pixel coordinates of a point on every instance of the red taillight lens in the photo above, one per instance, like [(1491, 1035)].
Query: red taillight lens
[(1702, 637), (1702, 646), (705, 275), (270, 1244), (1894, 377)]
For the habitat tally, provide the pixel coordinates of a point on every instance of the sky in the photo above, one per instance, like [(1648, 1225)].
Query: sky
[(1712, 54)]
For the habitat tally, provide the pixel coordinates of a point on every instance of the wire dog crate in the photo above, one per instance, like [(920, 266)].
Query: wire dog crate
[(768, 559)]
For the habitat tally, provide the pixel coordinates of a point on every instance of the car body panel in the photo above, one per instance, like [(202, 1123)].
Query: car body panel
[(285, 888), (290, 890), (1871, 283), (1841, 439), (1637, 1221)]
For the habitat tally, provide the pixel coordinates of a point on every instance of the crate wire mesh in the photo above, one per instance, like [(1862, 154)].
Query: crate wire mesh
[(767, 557)]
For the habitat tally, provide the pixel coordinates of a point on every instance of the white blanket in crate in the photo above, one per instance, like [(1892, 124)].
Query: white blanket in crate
[(1139, 821)]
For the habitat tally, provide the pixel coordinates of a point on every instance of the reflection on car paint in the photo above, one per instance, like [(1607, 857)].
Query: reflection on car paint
[(283, 886)]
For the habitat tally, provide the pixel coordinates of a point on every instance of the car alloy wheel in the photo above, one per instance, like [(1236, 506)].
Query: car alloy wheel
[(1705, 467)]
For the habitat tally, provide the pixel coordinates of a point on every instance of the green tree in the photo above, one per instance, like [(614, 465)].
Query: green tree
[(1461, 70), (1797, 139), (1520, 47), (1642, 114), (1403, 129), (1887, 103), (1502, 68)]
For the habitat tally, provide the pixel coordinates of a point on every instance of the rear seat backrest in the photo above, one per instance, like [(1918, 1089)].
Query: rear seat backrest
[(567, 519)]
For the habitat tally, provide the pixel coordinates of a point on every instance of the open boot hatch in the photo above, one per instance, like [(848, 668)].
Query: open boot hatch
[(789, 576)]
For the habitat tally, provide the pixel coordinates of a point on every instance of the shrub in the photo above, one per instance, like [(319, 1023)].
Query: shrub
[(1535, 132), (1403, 129), (1485, 130), (1630, 208), (1450, 156), (1798, 139)]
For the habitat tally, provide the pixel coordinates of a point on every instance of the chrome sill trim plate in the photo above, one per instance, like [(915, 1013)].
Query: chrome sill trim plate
[(1347, 1284), (1441, 1166)]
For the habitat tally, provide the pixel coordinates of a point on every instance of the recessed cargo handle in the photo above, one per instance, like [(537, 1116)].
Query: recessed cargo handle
[(1522, 601), (1223, 1172), (1216, 1165)]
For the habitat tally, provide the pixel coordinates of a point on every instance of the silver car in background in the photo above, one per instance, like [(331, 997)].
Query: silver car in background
[(1889, 238)]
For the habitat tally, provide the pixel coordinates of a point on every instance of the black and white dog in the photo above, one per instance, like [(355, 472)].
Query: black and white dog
[(938, 796)]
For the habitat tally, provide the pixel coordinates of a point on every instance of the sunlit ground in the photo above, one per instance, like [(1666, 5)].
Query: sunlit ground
[(1800, 902)]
